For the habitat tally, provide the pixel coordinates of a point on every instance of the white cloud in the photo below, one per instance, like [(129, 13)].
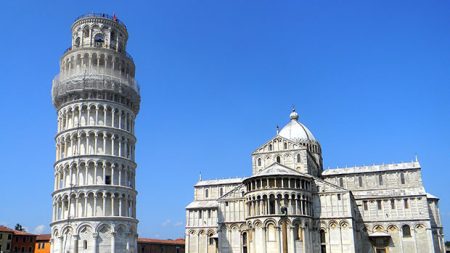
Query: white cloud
[(39, 229), (170, 223), (166, 223)]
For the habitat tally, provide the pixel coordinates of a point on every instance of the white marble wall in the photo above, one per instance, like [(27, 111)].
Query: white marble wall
[(94, 198)]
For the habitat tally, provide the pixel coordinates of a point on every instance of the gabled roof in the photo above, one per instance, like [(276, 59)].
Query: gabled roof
[(5, 229), (278, 169), (278, 137), (229, 194), (330, 185), (372, 168), (219, 181), (43, 237), (16, 232), (198, 204)]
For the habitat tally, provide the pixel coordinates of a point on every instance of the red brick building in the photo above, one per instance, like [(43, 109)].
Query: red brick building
[(23, 242), (14, 241), (147, 245)]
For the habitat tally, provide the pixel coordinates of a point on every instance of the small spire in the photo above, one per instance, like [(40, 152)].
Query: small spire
[(200, 176), (417, 158), (278, 129)]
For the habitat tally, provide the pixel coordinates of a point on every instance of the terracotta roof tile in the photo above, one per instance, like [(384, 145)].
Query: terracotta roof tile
[(6, 229), (43, 237), (15, 232), (158, 241)]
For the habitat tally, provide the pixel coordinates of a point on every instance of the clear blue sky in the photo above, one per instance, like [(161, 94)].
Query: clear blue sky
[(369, 78)]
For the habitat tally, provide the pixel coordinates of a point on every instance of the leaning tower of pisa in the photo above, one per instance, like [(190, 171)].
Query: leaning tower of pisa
[(97, 100)]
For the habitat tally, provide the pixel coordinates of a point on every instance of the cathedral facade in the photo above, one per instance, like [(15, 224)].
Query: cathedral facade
[(290, 204)]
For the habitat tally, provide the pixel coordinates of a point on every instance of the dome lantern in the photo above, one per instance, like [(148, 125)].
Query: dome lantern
[(293, 115)]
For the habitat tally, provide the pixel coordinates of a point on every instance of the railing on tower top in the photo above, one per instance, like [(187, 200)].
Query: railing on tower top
[(62, 82), (87, 72), (102, 15)]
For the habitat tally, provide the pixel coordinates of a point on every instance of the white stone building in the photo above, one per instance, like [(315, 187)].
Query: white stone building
[(97, 100), (290, 204)]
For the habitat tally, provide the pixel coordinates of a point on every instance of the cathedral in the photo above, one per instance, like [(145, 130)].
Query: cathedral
[(290, 204)]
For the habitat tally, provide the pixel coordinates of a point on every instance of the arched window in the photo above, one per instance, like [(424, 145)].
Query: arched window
[(77, 42), (285, 145), (360, 181), (86, 32), (322, 236), (221, 191), (244, 242), (99, 39), (402, 178), (323, 246), (85, 244), (298, 233), (113, 40), (270, 147), (94, 59), (298, 158), (206, 193), (130, 210), (108, 179), (380, 179), (406, 231), (278, 159), (271, 204), (341, 182), (271, 233), (259, 161)]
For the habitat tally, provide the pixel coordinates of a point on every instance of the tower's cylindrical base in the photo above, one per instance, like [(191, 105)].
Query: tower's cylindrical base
[(94, 237)]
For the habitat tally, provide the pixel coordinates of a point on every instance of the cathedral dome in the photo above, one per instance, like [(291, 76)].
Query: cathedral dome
[(296, 131)]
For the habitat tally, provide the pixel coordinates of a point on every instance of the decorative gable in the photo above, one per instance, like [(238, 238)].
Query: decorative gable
[(278, 143)]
